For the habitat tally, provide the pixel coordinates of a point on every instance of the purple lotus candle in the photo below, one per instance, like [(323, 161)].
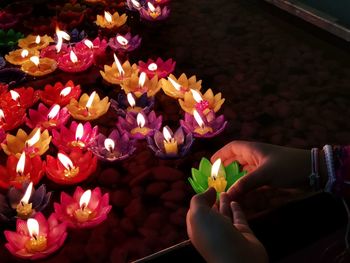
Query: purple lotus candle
[(152, 13), (124, 43), (129, 103)]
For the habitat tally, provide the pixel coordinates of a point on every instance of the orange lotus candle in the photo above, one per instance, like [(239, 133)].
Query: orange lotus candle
[(37, 67), (88, 107), (176, 88), (35, 42), (141, 84), (110, 21), (19, 56)]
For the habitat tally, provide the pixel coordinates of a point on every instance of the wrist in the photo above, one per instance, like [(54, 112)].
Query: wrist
[(322, 169)]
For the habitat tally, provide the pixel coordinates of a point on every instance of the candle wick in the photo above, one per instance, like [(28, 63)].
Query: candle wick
[(35, 237), (22, 203)]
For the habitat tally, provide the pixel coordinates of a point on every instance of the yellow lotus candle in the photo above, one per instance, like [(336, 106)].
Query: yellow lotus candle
[(117, 73), (140, 84), (37, 67), (132, 103), (202, 129), (217, 179), (176, 88), (88, 107), (170, 143), (141, 128), (19, 56), (35, 42), (110, 21)]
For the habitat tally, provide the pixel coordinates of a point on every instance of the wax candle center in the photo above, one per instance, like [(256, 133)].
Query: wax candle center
[(24, 210), (219, 183), (71, 172), (83, 214), (36, 244)]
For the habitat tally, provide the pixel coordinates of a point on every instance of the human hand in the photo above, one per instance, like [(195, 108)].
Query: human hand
[(222, 235), (266, 164)]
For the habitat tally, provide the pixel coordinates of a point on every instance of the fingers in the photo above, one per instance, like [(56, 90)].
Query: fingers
[(229, 150), (203, 200), (224, 204), (239, 220)]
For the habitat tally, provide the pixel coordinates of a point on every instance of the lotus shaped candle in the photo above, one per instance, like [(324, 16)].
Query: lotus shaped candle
[(11, 117), (21, 170), (2, 62), (88, 107), (23, 97), (217, 176), (38, 67), (141, 84), (36, 238), (84, 209), (9, 38), (110, 21), (140, 127), (159, 67), (60, 94), (77, 36), (47, 118), (115, 147), (36, 143), (203, 126), (19, 56), (152, 13), (194, 100), (70, 168), (77, 136), (161, 2), (53, 53), (24, 202), (176, 88), (97, 46), (117, 73), (135, 5), (128, 103), (169, 145), (7, 20), (35, 42), (124, 43), (75, 61)]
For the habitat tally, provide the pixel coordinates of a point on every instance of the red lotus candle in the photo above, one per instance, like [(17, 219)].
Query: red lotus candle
[(60, 94), (11, 117), (97, 46), (21, 170), (75, 61), (58, 50), (84, 209), (70, 168), (24, 97)]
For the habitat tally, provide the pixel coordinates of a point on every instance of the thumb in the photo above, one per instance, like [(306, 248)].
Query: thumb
[(206, 199)]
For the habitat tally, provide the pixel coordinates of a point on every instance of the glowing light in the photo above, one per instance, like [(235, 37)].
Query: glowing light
[(152, 67), (79, 132), (27, 194), (14, 95), (142, 79), (136, 3), (176, 85), (215, 168), (37, 39), (2, 115), (60, 36), (54, 111), (151, 7), (122, 40), (131, 100), (35, 138), (33, 227), (166, 134), (119, 66), (24, 53), (85, 199), (21, 164), (198, 118), (90, 100), (65, 161), (140, 120), (196, 96), (88, 43), (65, 91), (73, 57), (108, 17), (35, 60), (109, 144)]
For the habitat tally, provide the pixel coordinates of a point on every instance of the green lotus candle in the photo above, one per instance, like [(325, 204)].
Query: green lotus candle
[(215, 175), (9, 38)]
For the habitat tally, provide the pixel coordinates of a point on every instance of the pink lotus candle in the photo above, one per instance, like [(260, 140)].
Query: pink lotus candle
[(124, 43), (84, 209), (158, 67), (47, 118), (75, 61), (152, 13), (36, 238), (97, 46), (60, 93)]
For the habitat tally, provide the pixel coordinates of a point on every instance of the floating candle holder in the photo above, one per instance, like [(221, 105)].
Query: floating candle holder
[(88, 107), (154, 13), (38, 67), (215, 175), (54, 52), (203, 126), (9, 38), (24, 97), (75, 61), (60, 94), (140, 84), (157, 67), (202, 103), (129, 103), (76, 136), (23, 203), (11, 117), (125, 43), (35, 42), (176, 88), (114, 147), (19, 56), (97, 46), (22, 169), (84, 209), (34, 143), (141, 126), (110, 21), (11, 76), (167, 144), (47, 118), (135, 5), (36, 238), (72, 168)]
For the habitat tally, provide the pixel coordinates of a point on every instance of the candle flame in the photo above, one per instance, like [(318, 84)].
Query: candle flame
[(131, 99), (85, 199), (140, 120), (35, 138), (152, 67), (21, 163), (119, 66), (88, 43), (14, 95), (37, 39), (65, 91), (197, 97), (151, 7), (109, 144), (54, 111), (142, 79), (215, 168), (65, 161), (35, 60), (73, 57), (27, 194), (198, 118), (33, 227), (136, 3), (166, 134), (79, 132), (24, 53), (2, 115), (122, 40), (176, 85), (108, 17), (60, 36), (90, 100)]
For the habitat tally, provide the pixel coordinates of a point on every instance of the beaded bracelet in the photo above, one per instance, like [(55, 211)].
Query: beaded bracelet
[(314, 177), (328, 154)]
